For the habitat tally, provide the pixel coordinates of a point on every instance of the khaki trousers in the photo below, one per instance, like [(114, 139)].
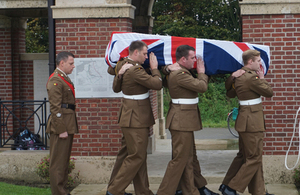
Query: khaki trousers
[(180, 168), (122, 154), (134, 166), (200, 181), (60, 152), (246, 169)]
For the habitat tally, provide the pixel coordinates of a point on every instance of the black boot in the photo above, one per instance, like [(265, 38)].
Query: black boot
[(178, 192), (205, 191), (228, 191)]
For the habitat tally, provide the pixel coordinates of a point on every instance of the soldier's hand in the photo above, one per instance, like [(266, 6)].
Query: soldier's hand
[(200, 65), (63, 135), (174, 67), (125, 67), (238, 73), (260, 72), (153, 61)]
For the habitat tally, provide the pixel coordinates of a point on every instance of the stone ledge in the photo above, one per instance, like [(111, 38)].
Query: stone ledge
[(20, 165), (90, 2), (12, 4), (104, 11), (34, 56), (264, 7)]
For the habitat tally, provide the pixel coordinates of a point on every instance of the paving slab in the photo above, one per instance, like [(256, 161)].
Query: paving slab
[(100, 189)]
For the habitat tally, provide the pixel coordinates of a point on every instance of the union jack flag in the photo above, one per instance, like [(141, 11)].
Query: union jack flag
[(220, 57)]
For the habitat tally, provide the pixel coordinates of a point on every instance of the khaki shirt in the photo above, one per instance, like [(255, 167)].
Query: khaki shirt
[(182, 84), (246, 87), (135, 81), (61, 119)]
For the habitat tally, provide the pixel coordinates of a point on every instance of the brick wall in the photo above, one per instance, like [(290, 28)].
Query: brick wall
[(16, 77), (27, 93), (5, 64), (282, 34), (99, 132), (88, 38), (5, 69)]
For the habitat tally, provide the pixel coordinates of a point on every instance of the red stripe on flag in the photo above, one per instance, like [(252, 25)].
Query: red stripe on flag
[(124, 53), (177, 41), (149, 41), (242, 46)]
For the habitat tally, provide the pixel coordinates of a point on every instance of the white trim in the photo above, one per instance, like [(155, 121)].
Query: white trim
[(250, 102), (137, 97), (185, 101)]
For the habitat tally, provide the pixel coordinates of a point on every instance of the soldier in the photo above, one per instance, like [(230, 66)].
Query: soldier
[(183, 118), (135, 118), (62, 124), (199, 180), (248, 84)]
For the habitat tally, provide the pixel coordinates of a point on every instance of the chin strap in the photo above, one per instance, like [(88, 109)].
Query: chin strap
[(287, 152)]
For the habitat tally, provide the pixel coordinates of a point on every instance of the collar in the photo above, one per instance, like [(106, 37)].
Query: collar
[(133, 62), (62, 72)]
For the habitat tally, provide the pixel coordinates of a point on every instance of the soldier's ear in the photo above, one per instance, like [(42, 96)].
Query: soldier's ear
[(136, 52)]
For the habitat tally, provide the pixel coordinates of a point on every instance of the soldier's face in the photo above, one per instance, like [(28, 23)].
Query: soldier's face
[(68, 65), (142, 55), (256, 63), (190, 60)]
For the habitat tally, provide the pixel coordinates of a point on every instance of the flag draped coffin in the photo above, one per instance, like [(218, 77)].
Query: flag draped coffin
[(220, 57)]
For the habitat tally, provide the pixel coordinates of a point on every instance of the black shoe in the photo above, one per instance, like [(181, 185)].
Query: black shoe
[(228, 191), (268, 193), (108, 193), (178, 192), (221, 188), (205, 191), (125, 193)]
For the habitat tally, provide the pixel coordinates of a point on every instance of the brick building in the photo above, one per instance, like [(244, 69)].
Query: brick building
[(84, 28)]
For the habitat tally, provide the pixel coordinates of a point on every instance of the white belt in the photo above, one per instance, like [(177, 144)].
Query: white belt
[(250, 102), (137, 97), (185, 101)]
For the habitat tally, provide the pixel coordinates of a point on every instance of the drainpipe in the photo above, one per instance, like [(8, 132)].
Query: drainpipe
[(51, 25)]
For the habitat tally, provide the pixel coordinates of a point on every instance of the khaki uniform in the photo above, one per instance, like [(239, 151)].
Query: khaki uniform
[(246, 168), (200, 181), (182, 120), (135, 118), (60, 120)]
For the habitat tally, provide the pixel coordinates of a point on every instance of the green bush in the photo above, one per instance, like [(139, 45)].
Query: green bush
[(42, 170), (214, 105), (296, 177)]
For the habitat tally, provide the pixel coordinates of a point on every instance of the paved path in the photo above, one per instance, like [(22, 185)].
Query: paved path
[(214, 164)]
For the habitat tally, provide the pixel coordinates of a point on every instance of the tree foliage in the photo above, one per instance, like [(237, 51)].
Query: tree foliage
[(36, 35), (211, 19)]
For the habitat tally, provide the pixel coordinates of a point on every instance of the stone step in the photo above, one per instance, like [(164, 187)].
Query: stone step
[(210, 179), (100, 189), (216, 144)]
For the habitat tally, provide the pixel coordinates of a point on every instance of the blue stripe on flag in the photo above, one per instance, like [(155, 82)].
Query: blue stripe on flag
[(223, 64), (264, 56), (158, 50)]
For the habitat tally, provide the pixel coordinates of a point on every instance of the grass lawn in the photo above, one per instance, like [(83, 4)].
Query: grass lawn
[(10, 189)]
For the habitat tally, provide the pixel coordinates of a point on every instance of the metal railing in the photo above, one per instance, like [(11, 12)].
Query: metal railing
[(18, 118)]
